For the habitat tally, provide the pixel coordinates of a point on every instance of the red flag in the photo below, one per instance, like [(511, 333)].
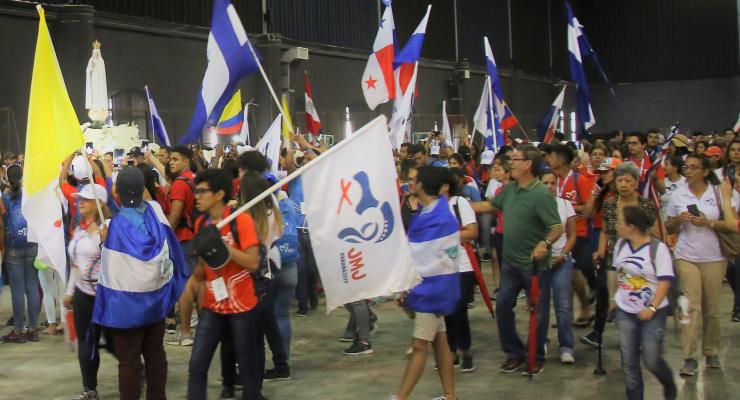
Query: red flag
[(313, 123)]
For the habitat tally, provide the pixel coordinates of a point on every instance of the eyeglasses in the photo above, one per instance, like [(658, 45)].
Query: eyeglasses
[(201, 191)]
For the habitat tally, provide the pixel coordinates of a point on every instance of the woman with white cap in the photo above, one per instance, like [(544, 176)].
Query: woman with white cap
[(84, 255)]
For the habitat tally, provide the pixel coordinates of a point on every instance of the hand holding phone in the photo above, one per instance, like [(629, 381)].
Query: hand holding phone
[(89, 148), (144, 146), (693, 210)]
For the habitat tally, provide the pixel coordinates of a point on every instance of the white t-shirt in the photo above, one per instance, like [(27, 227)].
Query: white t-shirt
[(637, 277), (467, 217), (697, 244), (670, 187), (565, 210), (493, 185)]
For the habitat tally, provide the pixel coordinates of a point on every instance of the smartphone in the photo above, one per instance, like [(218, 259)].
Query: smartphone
[(729, 173), (144, 145), (89, 148), (693, 210), (118, 157)]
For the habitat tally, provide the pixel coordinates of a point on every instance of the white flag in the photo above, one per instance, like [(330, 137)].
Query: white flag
[(360, 246), (446, 126), (480, 119), (402, 112), (269, 145), (244, 134)]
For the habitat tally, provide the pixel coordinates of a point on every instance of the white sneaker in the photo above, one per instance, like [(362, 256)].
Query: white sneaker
[(567, 358)]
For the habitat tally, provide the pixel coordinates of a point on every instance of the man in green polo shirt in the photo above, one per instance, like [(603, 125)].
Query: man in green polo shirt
[(532, 225)]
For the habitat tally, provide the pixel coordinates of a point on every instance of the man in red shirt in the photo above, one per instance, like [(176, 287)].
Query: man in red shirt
[(181, 208), (636, 144), (230, 306), (577, 188)]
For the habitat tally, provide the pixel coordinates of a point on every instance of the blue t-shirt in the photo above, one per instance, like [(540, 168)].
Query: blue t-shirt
[(295, 191), (16, 227)]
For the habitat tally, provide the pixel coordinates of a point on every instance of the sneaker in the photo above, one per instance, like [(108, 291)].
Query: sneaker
[(486, 257), (277, 374), (359, 347), (171, 328), (301, 313), (227, 393), (735, 315), (87, 395), (32, 336), (348, 336), (467, 364), (181, 339), (471, 304), (511, 365), (713, 362), (592, 339), (567, 359), (538, 367), (14, 337), (689, 367)]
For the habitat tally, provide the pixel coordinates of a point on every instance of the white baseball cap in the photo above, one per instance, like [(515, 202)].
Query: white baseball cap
[(87, 193), (486, 158), (80, 167)]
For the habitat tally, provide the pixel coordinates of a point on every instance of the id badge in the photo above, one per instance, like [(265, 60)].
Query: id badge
[(219, 289)]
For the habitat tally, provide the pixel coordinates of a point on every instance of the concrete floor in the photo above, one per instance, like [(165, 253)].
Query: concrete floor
[(48, 370)]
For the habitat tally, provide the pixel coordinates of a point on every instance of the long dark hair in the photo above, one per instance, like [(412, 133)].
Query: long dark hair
[(711, 178), (252, 185), (15, 177), (638, 217)]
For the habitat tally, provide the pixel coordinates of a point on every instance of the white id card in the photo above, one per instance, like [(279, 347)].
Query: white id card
[(219, 289)]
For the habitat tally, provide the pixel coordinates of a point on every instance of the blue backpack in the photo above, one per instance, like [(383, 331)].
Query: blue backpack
[(16, 229), (288, 243)]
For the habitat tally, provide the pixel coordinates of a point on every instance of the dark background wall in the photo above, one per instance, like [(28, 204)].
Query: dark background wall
[(661, 55)]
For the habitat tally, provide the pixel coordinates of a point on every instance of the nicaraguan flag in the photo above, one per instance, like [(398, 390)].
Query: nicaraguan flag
[(230, 58), (549, 123), (505, 119), (143, 270), (157, 123), (434, 239), (578, 48)]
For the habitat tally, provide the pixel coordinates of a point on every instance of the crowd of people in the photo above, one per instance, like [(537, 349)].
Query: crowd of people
[(634, 227)]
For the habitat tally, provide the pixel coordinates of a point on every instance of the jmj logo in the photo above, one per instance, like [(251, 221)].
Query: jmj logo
[(376, 227)]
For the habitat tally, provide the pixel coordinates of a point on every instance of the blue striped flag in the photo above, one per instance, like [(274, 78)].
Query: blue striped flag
[(578, 49), (142, 270), (230, 58), (434, 239), (157, 123)]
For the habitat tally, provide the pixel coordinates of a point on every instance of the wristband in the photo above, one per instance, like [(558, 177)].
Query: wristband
[(652, 308)]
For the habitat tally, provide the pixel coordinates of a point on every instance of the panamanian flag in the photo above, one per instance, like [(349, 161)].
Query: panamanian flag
[(434, 239), (142, 270)]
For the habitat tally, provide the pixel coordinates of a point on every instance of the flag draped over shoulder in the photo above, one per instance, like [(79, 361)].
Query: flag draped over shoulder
[(157, 123), (230, 58), (143, 270), (434, 239), (549, 123), (359, 243), (53, 133)]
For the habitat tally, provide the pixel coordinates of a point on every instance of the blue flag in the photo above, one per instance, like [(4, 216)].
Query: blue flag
[(230, 58), (157, 123), (578, 49)]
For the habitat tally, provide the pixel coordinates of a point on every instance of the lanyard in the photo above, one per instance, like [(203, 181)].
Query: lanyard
[(565, 182)]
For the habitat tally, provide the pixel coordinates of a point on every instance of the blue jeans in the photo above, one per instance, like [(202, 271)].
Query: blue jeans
[(636, 335), (562, 296), (285, 283), (514, 279), (247, 338), (24, 285)]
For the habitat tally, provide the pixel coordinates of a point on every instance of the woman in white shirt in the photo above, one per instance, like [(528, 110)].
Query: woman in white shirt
[(640, 287), (694, 215), (458, 323), (562, 271), (84, 255)]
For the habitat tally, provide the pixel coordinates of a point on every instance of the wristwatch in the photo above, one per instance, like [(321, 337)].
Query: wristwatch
[(652, 308), (548, 242)]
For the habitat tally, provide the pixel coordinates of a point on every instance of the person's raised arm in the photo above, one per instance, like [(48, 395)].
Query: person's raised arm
[(154, 161), (64, 173)]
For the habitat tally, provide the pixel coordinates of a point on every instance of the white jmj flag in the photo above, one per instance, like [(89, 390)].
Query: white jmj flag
[(351, 199)]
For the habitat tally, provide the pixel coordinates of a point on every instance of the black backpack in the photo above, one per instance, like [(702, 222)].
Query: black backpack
[(260, 278), (674, 291)]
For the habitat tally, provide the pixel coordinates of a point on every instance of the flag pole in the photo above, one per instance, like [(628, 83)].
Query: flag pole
[(151, 116), (299, 172), (272, 91)]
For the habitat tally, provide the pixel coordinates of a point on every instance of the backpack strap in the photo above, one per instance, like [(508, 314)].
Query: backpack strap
[(456, 207), (654, 243), (234, 230)]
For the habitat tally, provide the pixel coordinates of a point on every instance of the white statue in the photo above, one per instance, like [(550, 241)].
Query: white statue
[(96, 88)]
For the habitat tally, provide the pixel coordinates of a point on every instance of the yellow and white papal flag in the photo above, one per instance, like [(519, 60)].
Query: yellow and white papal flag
[(53, 133)]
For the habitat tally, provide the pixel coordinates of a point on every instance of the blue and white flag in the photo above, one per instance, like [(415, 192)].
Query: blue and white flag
[(230, 58), (157, 123), (578, 49), (484, 118), (505, 120), (434, 238), (549, 123), (142, 270)]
